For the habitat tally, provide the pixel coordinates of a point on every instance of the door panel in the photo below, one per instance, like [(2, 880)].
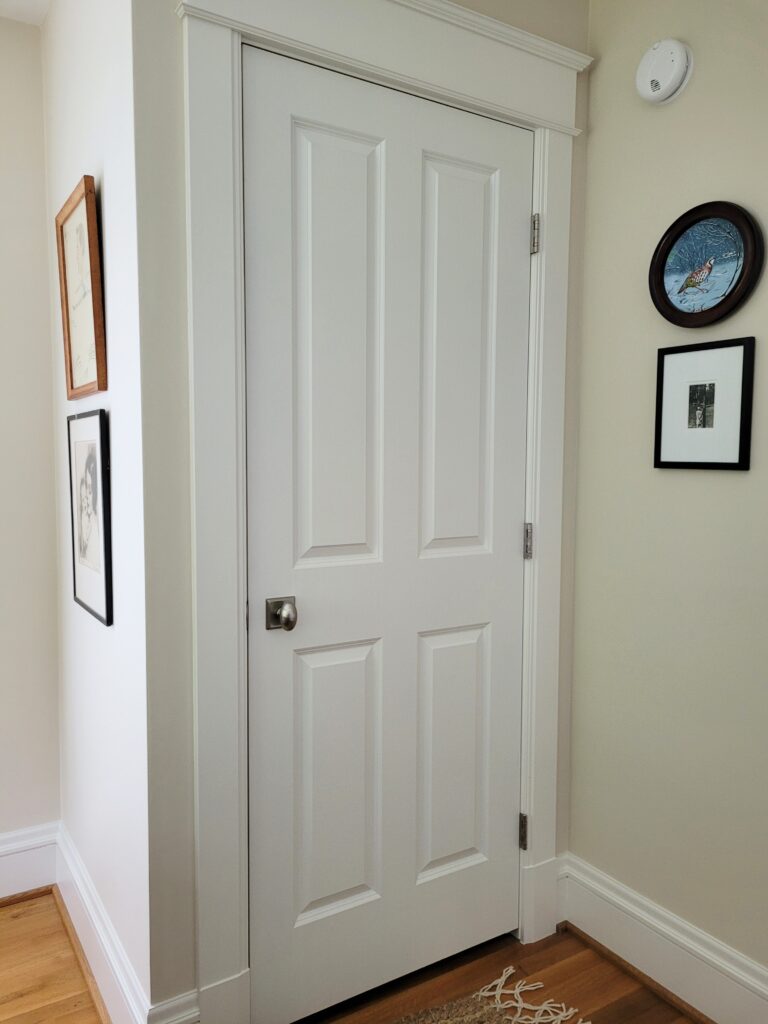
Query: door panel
[(338, 803), (460, 245), (339, 259), (453, 750), (387, 276)]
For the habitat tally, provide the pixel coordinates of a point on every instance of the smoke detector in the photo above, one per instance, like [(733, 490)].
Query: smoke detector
[(664, 71)]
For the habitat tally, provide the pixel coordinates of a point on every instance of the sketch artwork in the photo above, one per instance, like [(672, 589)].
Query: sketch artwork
[(89, 495), (79, 297), (88, 532)]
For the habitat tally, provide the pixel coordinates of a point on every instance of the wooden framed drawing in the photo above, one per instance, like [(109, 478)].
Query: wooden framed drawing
[(706, 264), (82, 304), (89, 494), (704, 405)]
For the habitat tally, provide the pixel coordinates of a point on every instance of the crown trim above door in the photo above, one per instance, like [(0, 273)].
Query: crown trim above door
[(430, 48), (513, 76)]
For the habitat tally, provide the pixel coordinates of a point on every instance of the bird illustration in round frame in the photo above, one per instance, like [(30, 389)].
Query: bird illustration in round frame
[(706, 264)]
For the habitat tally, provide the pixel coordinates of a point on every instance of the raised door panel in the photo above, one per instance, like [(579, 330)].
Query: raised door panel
[(338, 265), (459, 273), (454, 690), (337, 744)]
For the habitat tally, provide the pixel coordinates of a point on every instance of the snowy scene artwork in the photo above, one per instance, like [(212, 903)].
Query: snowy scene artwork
[(704, 405), (706, 264)]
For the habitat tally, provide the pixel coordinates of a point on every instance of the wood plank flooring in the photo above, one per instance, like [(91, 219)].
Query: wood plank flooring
[(572, 973), (42, 982), (40, 978)]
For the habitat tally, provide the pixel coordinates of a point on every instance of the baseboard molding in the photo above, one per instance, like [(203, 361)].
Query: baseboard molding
[(44, 856), (116, 978), (714, 978), (28, 858), (82, 959)]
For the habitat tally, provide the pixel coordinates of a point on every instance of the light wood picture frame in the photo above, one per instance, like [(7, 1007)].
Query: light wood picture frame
[(82, 302)]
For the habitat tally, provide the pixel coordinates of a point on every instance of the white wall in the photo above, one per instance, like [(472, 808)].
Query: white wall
[(160, 179), (88, 84), (29, 793), (670, 759)]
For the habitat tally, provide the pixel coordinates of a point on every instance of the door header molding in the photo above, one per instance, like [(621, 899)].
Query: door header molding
[(513, 76), (483, 25)]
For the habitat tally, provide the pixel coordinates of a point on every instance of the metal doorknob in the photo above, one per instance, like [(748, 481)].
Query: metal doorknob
[(288, 615), (281, 613)]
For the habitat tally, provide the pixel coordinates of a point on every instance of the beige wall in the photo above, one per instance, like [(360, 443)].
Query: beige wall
[(562, 21), (29, 792), (670, 758)]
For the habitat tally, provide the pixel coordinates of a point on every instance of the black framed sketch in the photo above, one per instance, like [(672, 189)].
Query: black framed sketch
[(704, 405), (706, 264), (89, 493)]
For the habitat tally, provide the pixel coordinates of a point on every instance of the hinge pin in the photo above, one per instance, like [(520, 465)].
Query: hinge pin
[(535, 233), (528, 541)]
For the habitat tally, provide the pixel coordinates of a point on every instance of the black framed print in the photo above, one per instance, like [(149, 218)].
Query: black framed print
[(706, 264), (89, 494), (704, 405)]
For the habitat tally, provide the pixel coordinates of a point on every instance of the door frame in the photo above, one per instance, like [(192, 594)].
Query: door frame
[(440, 51)]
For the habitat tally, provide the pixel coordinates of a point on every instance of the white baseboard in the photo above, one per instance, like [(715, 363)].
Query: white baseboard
[(115, 976), (31, 858), (28, 858), (712, 977)]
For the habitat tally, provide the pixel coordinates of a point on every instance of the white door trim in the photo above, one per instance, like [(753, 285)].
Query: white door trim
[(422, 47)]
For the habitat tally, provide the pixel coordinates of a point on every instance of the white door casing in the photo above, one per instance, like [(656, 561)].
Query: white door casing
[(430, 48), (387, 269)]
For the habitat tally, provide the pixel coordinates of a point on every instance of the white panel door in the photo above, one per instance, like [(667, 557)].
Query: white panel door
[(387, 275)]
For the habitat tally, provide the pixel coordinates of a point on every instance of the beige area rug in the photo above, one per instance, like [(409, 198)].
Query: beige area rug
[(500, 1001)]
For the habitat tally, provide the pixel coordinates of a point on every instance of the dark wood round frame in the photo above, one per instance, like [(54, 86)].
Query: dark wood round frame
[(753, 264)]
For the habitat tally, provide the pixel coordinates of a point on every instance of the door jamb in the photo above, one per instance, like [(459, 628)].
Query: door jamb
[(214, 31)]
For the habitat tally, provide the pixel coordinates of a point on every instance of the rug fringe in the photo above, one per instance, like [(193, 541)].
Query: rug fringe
[(504, 998)]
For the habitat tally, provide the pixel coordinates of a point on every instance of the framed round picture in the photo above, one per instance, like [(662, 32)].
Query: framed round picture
[(706, 264)]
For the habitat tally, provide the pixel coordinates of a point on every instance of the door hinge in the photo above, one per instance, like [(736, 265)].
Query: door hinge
[(535, 233), (528, 541), (247, 615), (523, 831)]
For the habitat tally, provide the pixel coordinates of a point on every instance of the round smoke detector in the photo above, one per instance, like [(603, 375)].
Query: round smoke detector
[(664, 71)]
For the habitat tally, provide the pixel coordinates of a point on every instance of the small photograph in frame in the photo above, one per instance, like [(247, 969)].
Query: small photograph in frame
[(82, 305), (704, 405), (89, 493)]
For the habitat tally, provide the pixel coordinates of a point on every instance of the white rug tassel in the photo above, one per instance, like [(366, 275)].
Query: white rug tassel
[(504, 998)]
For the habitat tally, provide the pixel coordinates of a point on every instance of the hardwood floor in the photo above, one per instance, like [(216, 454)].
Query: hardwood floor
[(572, 972), (44, 978), (41, 980)]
